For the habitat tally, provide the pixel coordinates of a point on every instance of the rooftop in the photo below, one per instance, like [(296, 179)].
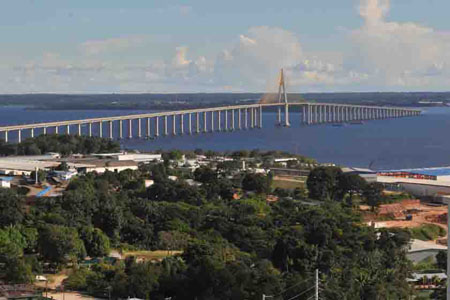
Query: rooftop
[(440, 171)]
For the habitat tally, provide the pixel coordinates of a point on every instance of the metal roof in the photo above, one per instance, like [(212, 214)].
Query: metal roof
[(441, 171)]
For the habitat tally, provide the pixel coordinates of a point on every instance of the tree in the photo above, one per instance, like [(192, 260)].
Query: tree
[(349, 184), (373, 193), (258, 183), (11, 205), (63, 166), (41, 175), (322, 183), (441, 260), (205, 175), (95, 241), (59, 244)]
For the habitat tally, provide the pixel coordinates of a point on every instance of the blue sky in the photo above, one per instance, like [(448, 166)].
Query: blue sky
[(87, 46)]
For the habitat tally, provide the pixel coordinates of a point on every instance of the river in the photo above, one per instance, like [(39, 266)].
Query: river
[(394, 143)]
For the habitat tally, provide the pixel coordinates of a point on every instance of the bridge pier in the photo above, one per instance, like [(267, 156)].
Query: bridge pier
[(239, 119), (89, 129), (205, 128), (130, 129), (166, 129), (110, 130), (181, 124), (219, 120), (286, 115), (149, 131), (139, 128), (56, 129), (79, 129), (232, 120), (197, 120), (245, 118), (174, 129), (19, 136), (252, 116), (120, 129), (32, 132), (45, 130), (260, 117), (190, 123), (6, 136), (157, 126), (67, 130), (226, 120)]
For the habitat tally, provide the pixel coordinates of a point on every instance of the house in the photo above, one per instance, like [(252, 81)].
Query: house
[(148, 182), (5, 182)]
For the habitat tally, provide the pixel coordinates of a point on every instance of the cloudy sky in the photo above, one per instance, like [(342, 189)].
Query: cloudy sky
[(159, 46)]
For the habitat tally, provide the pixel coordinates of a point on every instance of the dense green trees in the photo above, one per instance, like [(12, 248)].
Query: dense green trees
[(232, 248), (11, 208), (63, 144)]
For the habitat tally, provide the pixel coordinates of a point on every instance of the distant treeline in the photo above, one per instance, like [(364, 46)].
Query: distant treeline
[(63, 144), (193, 100)]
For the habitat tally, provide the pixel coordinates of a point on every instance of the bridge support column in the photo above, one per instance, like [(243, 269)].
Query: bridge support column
[(226, 120), (45, 130), (174, 125), (56, 129), (320, 111), (120, 129), (212, 121), (279, 116), (32, 132), (190, 123), (197, 120), (286, 115), (166, 129), (19, 135), (6, 136), (89, 129), (239, 118), (219, 120), (157, 126), (245, 118), (149, 130), (205, 127), (79, 129), (100, 128), (181, 124), (110, 130), (252, 116), (68, 129), (232, 120), (260, 116), (130, 128), (139, 120)]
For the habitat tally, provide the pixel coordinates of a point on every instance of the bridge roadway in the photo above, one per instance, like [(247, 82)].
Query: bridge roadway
[(248, 116)]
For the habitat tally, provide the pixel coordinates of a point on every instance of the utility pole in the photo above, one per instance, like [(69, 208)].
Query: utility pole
[(317, 285)]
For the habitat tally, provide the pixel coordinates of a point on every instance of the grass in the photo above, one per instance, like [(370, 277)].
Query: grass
[(427, 232), (289, 185)]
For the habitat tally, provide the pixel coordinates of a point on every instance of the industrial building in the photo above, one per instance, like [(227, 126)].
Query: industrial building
[(422, 182)]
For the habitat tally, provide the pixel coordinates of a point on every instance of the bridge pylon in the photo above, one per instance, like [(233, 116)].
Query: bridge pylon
[(282, 98)]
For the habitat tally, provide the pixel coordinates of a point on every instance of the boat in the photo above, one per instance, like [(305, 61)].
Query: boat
[(356, 122)]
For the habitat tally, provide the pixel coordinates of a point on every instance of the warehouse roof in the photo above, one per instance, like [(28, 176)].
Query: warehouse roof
[(441, 171)]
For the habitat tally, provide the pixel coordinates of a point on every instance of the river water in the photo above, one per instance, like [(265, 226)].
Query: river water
[(395, 143)]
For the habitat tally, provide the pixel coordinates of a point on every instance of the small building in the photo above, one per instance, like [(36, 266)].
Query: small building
[(5, 182), (148, 182)]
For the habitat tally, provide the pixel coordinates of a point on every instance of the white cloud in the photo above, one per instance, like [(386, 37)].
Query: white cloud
[(385, 54), (95, 47), (400, 54)]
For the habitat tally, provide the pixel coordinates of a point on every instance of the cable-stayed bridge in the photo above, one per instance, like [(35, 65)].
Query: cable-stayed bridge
[(203, 120)]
